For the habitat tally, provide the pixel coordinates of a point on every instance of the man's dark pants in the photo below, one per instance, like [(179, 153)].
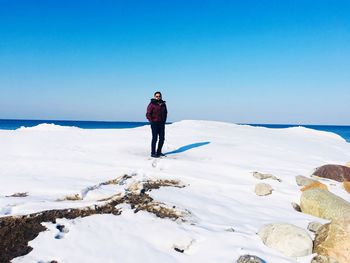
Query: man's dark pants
[(158, 129)]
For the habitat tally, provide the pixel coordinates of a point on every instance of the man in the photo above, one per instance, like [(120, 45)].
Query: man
[(156, 115)]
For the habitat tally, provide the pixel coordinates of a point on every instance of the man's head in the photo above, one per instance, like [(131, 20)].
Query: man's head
[(158, 95)]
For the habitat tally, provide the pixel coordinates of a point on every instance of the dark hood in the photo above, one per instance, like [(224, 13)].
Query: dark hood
[(154, 101)]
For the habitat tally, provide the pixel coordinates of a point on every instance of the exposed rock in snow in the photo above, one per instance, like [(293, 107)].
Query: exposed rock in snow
[(333, 240), (323, 259), (324, 204), (296, 207), (262, 176), (303, 180), (288, 239), (335, 172), (249, 259), (262, 189)]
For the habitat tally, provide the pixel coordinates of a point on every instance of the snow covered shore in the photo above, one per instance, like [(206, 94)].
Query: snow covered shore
[(213, 160)]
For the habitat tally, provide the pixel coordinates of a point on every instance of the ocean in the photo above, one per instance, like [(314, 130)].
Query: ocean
[(15, 124), (343, 131)]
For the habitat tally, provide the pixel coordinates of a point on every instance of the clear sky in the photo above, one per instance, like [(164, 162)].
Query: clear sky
[(260, 61)]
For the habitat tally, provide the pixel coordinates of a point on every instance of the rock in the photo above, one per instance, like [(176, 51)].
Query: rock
[(346, 186), (303, 180), (333, 240), (323, 259), (315, 184), (20, 194), (179, 250), (335, 172), (262, 189), (288, 239), (347, 164), (249, 259), (314, 226), (231, 229), (262, 176), (324, 204), (296, 207)]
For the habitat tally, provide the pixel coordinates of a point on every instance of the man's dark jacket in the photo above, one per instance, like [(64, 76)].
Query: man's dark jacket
[(156, 111)]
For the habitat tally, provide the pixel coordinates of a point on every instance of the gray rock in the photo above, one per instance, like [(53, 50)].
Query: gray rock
[(323, 259), (314, 226), (303, 180), (262, 176), (290, 240), (296, 207), (262, 189), (249, 259)]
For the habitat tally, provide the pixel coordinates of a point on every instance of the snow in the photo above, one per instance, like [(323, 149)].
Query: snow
[(213, 160)]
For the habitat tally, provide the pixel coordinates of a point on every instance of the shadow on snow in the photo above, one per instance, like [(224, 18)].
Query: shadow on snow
[(188, 147)]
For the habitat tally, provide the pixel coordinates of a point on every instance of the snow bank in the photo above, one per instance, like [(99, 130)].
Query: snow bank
[(213, 159), (47, 127)]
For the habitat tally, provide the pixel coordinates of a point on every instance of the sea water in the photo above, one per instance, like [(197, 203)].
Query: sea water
[(343, 131)]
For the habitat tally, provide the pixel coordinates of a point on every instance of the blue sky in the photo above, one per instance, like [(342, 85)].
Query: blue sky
[(237, 61)]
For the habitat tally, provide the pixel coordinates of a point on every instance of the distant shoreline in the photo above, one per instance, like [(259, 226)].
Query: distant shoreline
[(13, 124)]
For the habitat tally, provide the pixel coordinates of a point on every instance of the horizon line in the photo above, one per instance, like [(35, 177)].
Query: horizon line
[(145, 122)]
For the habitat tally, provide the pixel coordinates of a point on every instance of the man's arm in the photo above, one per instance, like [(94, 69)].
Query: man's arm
[(149, 112)]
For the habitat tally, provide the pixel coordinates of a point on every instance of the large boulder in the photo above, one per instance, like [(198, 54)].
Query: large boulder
[(333, 240), (288, 239), (335, 172), (322, 203)]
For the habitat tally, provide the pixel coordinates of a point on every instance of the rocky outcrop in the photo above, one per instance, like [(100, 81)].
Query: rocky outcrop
[(288, 239), (315, 184), (324, 204), (347, 164), (333, 240), (17, 231), (303, 180), (262, 189), (335, 172)]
